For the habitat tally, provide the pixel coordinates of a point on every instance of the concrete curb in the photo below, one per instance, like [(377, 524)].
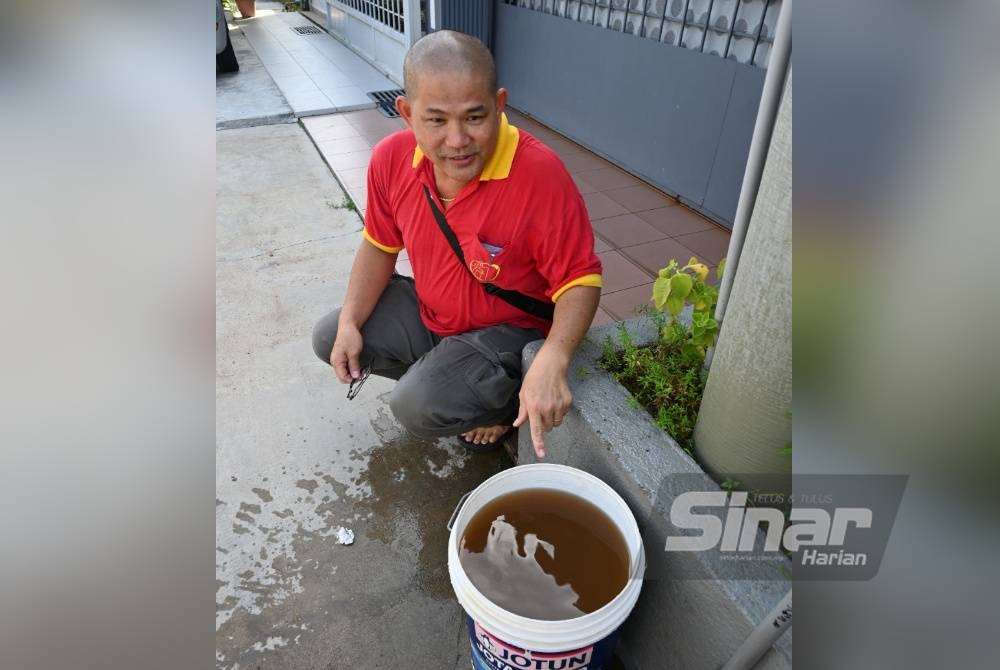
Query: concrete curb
[(686, 623)]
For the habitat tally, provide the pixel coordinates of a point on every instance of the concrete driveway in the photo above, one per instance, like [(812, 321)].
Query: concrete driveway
[(296, 461)]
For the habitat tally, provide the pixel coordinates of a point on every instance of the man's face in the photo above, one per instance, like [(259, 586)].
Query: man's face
[(456, 120)]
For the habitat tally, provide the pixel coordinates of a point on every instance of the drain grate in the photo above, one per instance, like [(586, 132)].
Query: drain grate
[(386, 101), (307, 30)]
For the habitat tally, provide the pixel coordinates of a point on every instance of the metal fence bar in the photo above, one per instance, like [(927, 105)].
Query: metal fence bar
[(732, 27), (684, 21), (760, 29), (708, 23)]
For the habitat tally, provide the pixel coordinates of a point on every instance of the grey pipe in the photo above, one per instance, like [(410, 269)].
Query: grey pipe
[(770, 98), (763, 636)]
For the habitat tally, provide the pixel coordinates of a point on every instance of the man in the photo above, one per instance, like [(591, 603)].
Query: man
[(519, 223)]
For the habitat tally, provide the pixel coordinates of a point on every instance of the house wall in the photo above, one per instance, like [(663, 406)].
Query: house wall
[(679, 119)]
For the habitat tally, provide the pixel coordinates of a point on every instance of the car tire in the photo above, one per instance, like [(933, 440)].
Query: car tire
[(225, 60)]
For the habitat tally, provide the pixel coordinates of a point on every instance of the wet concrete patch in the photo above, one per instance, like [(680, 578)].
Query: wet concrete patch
[(303, 599)]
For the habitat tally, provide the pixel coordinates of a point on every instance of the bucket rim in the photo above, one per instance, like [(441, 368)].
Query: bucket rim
[(585, 626)]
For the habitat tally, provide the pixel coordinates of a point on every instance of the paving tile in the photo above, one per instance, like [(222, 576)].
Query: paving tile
[(584, 161), (601, 318), (600, 245), (365, 115), (675, 220), (371, 120), (625, 304), (327, 133), (343, 146), (355, 159), (315, 110), (327, 121), (349, 96), (353, 177), (639, 198), (709, 245), (563, 147), (655, 255), (309, 103), (296, 84), (375, 137), (584, 185), (531, 126), (600, 206), (279, 68), (619, 273), (626, 230), (607, 178), (330, 77)]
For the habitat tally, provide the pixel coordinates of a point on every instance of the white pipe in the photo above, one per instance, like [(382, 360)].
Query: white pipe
[(770, 98), (763, 636)]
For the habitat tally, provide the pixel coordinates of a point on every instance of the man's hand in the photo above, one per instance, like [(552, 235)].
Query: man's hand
[(545, 397), (369, 276), (346, 355)]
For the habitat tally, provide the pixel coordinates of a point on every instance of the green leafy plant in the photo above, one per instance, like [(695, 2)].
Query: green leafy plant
[(676, 287), (292, 6), (666, 378)]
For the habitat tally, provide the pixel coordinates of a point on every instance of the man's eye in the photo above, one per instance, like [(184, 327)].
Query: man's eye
[(475, 119)]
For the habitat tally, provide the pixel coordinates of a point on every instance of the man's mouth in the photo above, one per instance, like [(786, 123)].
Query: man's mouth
[(461, 161)]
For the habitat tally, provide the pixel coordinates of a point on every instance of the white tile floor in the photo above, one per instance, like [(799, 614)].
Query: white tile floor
[(316, 73)]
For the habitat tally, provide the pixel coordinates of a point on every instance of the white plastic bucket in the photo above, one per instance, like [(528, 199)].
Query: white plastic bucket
[(502, 639)]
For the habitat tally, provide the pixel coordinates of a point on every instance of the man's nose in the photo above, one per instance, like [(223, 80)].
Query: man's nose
[(457, 137)]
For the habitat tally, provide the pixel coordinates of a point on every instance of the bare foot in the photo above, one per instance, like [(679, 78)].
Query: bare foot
[(486, 434)]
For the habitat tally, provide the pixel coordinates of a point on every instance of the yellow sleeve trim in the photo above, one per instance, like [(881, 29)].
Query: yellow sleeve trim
[(585, 280), (376, 243)]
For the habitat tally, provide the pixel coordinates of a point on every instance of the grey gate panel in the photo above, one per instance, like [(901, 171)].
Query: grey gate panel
[(726, 178), (679, 118), (474, 17)]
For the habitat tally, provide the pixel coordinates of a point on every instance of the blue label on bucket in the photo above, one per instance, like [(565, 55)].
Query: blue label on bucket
[(489, 652)]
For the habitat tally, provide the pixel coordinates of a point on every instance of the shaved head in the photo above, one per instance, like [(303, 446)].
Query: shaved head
[(447, 51)]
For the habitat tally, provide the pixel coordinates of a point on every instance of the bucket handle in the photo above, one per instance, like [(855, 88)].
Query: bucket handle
[(458, 508)]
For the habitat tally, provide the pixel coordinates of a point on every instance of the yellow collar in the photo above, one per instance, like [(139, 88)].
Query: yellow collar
[(503, 154)]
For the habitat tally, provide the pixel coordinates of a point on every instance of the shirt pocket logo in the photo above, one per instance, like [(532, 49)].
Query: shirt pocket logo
[(484, 272)]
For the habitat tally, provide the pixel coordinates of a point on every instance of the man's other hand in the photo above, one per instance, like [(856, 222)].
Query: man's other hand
[(545, 398), (346, 355)]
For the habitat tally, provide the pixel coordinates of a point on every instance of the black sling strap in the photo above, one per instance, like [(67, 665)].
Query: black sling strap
[(533, 306)]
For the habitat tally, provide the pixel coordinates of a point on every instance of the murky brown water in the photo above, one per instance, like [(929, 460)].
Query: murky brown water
[(545, 554)]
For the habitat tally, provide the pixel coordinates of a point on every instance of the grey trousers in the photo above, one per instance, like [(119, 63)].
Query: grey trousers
[(446, 386)]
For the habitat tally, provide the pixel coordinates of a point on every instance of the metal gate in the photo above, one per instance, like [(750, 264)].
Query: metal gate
[(381, 31), (667, 89)]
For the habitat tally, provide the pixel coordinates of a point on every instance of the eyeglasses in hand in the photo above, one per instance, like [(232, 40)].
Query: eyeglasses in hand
[(356, 384)]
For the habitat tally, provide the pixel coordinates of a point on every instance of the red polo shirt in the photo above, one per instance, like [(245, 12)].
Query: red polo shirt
[(525, 209)]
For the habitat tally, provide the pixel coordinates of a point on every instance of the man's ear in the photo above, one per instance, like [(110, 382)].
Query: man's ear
[(501, 100), (404, 109)]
